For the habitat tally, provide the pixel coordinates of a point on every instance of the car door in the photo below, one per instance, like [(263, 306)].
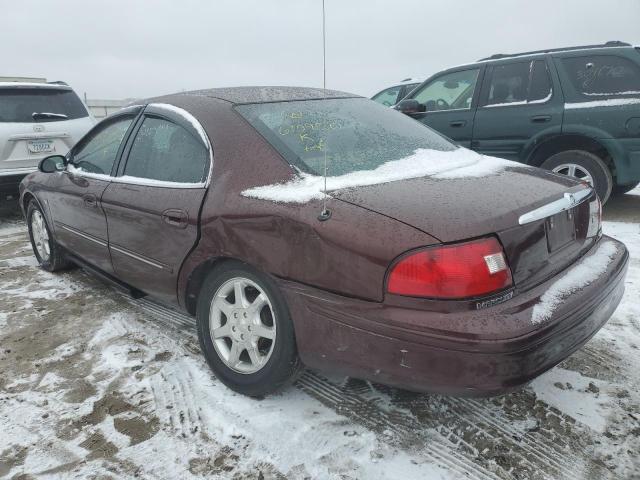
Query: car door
[(153, 204), (75, 200), (518, 104), (448, 103)]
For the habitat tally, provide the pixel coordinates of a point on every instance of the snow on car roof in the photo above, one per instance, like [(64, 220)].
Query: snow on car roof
[(58, 86), (266, 94)]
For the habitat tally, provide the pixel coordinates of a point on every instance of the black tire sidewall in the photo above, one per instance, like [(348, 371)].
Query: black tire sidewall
[(590, 162), (283, 363)]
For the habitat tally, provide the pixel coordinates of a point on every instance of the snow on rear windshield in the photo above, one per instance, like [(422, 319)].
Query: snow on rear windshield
[(356, 134), (17, 105)]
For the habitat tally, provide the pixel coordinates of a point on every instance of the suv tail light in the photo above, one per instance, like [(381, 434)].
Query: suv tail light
[(470, 269)]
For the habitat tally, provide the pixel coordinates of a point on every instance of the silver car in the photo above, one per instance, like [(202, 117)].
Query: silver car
[(37, 119)]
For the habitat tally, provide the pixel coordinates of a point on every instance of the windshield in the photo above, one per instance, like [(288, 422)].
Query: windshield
[(356, 134), (17, 105)]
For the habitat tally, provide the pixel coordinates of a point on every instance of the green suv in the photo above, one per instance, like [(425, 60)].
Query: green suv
[(575, 111)]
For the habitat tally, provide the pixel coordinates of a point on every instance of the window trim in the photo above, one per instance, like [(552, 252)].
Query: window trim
[(474, 97), (150, 110), (520, 103)]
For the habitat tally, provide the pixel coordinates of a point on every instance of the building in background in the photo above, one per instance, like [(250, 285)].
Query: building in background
[(102, 108)]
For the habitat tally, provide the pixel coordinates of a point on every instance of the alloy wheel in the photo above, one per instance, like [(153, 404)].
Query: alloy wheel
[(573, 170), (40, 235), (242, 325)]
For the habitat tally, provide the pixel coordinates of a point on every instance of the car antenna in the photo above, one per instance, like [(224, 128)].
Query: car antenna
[(325, 214)]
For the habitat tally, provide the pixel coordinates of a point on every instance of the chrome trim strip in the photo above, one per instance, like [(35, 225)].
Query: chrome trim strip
[(139, 258), (83, 235), (568, 201), (145, 182)]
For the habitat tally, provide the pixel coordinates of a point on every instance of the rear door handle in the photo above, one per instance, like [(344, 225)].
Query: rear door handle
[(540, 118), (90, 200), (458, 123), (175, 217)]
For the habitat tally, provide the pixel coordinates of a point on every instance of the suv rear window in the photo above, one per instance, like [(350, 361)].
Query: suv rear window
[(601, 75), (356, 133), (17, 105)]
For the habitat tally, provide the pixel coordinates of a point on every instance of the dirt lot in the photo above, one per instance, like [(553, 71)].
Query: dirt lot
[(96, 385)]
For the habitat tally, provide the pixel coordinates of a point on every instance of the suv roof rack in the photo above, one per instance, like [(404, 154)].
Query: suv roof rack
[(58, 82), (612, 43)]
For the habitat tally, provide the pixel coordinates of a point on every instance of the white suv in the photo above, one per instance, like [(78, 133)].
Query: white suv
[(37, 119)]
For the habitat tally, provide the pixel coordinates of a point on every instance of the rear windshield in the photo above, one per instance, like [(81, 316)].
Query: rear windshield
[(19, 105), (356, 133), (601, 75)]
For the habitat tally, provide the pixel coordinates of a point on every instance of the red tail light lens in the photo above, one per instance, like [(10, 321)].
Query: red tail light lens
[(463, 270)]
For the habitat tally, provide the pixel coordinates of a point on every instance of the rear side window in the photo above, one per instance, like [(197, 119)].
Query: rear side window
[(518, 83), (509, 84), (98, 153), (17, 105), (164, 151), (601, 75), (540, 83)]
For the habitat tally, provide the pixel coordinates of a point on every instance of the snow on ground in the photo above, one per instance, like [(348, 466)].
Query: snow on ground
[(95, 385)]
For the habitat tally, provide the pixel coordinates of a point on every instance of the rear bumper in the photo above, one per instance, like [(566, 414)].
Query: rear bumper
[(383, 343)]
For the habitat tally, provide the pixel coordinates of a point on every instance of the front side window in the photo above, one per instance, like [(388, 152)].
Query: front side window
[(98, 153), (388, 97), (355, 134), (601, 75), (451, 91), (164, 151), (29, 105)]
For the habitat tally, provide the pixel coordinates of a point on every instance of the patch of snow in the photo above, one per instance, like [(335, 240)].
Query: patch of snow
[(459, 163), (83, 173), (612, 102), (568, 391), (578, 277)]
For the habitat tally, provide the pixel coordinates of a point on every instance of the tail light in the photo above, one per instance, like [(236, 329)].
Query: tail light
[(595, 218), (470, 269)]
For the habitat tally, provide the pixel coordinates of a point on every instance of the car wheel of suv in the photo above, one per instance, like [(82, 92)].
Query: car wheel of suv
[(584, 166), (622, 189), (48, 253), (245, 331)]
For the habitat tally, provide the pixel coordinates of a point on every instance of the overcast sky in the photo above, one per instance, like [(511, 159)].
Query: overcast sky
[(137, 48)]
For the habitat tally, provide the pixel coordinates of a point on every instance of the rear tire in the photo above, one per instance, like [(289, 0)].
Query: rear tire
[(49, 254), (583, 163), (622, 189), (253, 350)]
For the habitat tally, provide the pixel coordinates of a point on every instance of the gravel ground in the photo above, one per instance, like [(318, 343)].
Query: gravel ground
[(96, 385)]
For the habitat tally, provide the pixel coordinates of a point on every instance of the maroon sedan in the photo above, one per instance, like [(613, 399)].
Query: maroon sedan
[(412, 262)]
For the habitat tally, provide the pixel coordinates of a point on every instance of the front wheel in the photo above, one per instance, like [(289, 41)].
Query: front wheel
[(583, 166), (48, 253), (245, 331)]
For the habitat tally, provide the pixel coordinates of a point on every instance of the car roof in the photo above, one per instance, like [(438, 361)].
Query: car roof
[(499, 57), (264, 94)]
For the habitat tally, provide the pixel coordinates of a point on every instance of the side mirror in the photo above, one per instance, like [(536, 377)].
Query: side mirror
[(52, 163), (409, 106)]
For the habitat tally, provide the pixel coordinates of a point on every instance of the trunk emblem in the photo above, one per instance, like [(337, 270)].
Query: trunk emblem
[(38, 128)]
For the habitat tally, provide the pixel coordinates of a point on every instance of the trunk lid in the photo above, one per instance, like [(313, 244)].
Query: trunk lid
[(457, 209)]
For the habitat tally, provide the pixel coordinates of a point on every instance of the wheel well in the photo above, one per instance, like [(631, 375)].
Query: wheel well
[(196, 279), (570, 142), (25, 201)]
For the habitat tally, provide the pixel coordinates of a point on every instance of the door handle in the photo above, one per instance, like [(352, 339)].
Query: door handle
[(175, 217), (540, 118), (458, 123), (90, 200)]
